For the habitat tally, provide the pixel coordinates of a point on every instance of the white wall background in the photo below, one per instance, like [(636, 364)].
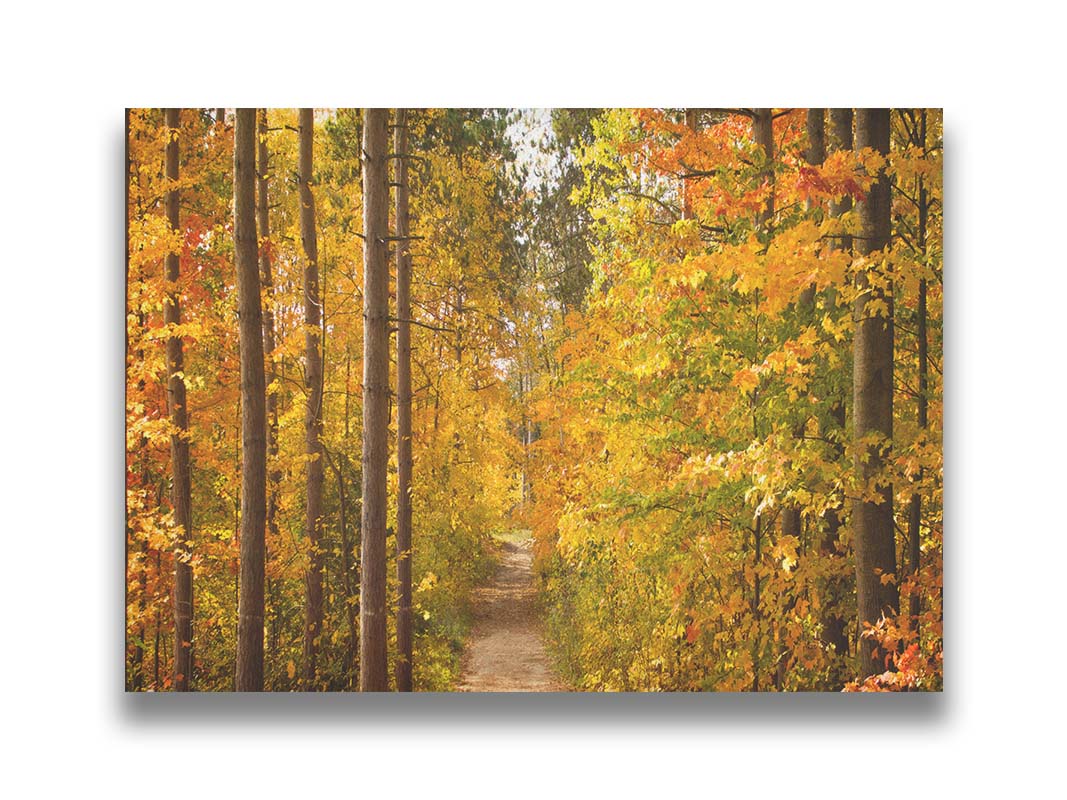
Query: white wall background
[(67, 76)]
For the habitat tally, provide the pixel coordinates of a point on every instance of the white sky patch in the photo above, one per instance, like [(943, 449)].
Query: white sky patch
[(531, 133)]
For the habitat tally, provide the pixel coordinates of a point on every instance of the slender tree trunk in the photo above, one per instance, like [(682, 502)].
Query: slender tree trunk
[(136, 678), (403, 410), (266, 247), (757, 561), (253, 409), (181, 484), (841, 120), (763, 134), (313, 407), (835, 627), (915, 510), (266, 253), (692, 121), (374, 676), (873, 536), (815, 124)]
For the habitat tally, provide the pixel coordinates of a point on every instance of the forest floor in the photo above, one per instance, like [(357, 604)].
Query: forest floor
[(506, 651)]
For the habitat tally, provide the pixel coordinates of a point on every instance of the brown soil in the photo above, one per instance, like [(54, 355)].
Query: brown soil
[(506, 652)]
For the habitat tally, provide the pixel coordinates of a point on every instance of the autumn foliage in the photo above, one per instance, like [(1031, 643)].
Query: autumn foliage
[(641, 352)]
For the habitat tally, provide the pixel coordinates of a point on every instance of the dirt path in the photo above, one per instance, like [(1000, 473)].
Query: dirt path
[(506, 652)]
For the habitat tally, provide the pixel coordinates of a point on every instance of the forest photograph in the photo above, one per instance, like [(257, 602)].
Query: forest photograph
[(533, 400)]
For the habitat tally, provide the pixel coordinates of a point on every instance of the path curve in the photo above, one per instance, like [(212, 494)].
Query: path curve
[(506, 652)]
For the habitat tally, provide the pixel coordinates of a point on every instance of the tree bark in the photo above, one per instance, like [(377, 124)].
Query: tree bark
[(374, 675), (403, 411), (181, 483), (266, 275), (835, 629), (313, 407), (692, 121), (253, 409), (763, 134), (815, 126), (266, 268), (873, 536), (915, 511)]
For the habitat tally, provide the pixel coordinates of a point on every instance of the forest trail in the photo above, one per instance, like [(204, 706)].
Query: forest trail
[(506, 652)]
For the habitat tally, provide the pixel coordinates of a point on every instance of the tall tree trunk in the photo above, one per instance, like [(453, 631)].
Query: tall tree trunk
[(873, 537), (835, 626), (253, 409), (181, 484), (403, 410), (815, 125), (266, 247), (266, 252), (915, 510), (374, 676), (763, 135), (136, 674), (313, 408)]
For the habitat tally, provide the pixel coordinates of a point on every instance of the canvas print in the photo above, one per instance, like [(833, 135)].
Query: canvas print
[(534, 400)]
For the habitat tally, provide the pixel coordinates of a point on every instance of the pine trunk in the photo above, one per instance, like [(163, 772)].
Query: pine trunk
[(313, 408), (403, 410), (873, 536), (181, 483), (253, 409), (374, 675)]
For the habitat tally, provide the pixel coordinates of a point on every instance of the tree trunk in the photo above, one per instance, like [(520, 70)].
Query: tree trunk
[(374, 675), (841, 139), (815, 124), (313, 407), (403, 411), (181, 483), (274, 475), (835, 628), (253, 409), (874, 543), (763, 134), (915, 511), (692, 121)]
